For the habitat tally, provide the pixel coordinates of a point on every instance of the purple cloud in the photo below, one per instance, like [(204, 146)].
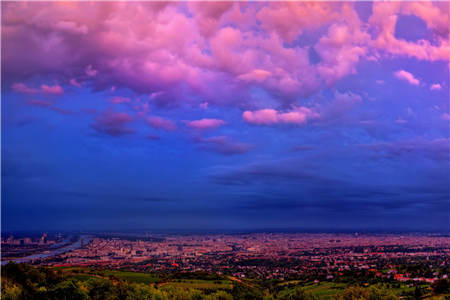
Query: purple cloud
[(205, 124), (222, 145), (118, 100), (436, 149), (246, 47), (161, 123), (113, 123), (406, 76)]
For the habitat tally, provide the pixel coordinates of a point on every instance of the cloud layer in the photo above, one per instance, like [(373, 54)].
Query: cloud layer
[(222, 50)]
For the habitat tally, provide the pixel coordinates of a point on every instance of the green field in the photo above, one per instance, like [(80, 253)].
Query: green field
[(322, 290), (132, 276), (200, 284), (328, 290), (83, 274), (325, 290), (207, 284)]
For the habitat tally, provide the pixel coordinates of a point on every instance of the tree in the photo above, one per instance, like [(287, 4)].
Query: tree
[(67, 290), (242, 292), (101, 289), (372, 293), (418, 293), (298, 294), (441, 286), (144, 292), (10, 290), (220, 295)]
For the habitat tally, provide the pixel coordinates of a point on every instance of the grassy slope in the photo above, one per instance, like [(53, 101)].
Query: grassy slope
[(86, 273), (323, 290)]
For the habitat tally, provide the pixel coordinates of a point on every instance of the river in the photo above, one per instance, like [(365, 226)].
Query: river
[(50, 253)]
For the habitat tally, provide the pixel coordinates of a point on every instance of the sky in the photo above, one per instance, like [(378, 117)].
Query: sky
[(225, 115)]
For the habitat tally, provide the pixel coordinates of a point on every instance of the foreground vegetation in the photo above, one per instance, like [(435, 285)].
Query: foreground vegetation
[(21, 281)]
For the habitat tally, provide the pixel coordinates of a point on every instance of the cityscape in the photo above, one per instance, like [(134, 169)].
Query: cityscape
[(260, 255), (408, 261), (225, 150)]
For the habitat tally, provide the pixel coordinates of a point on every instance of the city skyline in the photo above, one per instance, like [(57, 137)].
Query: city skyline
[(225, 115)]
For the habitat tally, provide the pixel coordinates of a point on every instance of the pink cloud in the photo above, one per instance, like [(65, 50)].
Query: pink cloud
[(113, 123), (340, 50), (224, 48), (46, 89), (90, 71), (293, 117), (71, 27), (406, 76), (52, 89), (261, 117), (208, 14), (298, 116), (445, 116), (156, 95), (384, 19), (256, 75), (23, 88), (74, 82), (290, 19), (435, 87), (160, 123), (341, 104), (205, 124), (117, 100)]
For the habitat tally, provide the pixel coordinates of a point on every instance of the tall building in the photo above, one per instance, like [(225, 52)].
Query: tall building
[(43, 240)]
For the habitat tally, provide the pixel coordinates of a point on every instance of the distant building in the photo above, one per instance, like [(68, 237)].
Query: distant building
[(43, 240)]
